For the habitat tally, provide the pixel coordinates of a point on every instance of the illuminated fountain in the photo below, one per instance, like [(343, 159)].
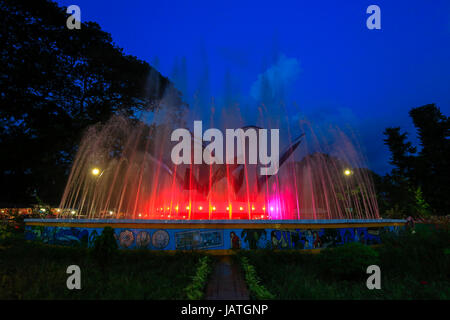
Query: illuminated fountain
[(123, 177), (122, 171)]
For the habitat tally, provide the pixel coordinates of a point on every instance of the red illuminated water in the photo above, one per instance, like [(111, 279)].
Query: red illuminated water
[(135, 178)]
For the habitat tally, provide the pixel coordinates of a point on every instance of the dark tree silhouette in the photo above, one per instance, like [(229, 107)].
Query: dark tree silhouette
[(426, 170), (55, 82)]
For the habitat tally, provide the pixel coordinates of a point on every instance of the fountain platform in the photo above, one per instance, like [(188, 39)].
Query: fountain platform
[(214, 236)]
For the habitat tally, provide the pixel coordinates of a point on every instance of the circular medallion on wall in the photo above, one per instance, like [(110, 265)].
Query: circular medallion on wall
[(126, 238), (142, 239), (160, 239)]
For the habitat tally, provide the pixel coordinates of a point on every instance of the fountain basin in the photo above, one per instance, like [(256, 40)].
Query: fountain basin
[(214, 236)]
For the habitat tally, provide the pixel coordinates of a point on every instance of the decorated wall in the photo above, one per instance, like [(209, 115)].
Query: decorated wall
[(212, 239)]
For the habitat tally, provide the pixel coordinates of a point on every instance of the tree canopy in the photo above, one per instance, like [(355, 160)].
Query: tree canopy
[(54, 83), (422, 171)]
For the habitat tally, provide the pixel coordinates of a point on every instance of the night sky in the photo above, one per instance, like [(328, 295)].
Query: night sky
[(330, 64)]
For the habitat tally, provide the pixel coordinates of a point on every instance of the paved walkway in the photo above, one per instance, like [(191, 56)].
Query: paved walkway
[(226, 282)]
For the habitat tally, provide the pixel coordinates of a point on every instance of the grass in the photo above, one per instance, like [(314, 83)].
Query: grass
[(413, 266), (36, 271)]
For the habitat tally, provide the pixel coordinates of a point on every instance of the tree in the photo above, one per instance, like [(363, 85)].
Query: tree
[(401, 151), (54, 83), (421, 178), (396, 187), (433, 161)]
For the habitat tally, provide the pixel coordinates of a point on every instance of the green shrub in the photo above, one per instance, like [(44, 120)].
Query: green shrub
[(5, 233), (195, 290), (105, 247), (348, 262), (397, 212), (421, 253), (257, 290), (32, 270)]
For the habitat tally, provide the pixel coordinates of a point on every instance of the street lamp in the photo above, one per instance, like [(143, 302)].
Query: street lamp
[(347, 172), (95, 171)]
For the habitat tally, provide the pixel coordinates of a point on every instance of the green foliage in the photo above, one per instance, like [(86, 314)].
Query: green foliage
[(397, 212), (418, 183), (12, 226), (5, 233), (257, 290), (420, 253), (56, 82), (413, 266), (195, 290), (105, 247), (422, 207), (348, 262), (410, 203), (30, 270)]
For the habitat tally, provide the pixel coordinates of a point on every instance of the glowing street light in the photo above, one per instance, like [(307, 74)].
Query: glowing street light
[(347, 172), (95, 171)]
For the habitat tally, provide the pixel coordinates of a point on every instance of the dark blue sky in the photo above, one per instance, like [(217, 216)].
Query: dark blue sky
[(334, 68)]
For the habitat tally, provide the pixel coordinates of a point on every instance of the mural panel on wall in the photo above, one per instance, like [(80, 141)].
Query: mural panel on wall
[(198, 239), (207, 239)]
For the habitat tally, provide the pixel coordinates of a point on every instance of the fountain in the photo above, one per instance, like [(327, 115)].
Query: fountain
[(123, 177)]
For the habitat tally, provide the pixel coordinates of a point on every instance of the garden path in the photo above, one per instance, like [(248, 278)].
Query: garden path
[(227, 282)]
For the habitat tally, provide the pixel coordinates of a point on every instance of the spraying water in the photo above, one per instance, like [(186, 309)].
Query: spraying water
[(123, 170)]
